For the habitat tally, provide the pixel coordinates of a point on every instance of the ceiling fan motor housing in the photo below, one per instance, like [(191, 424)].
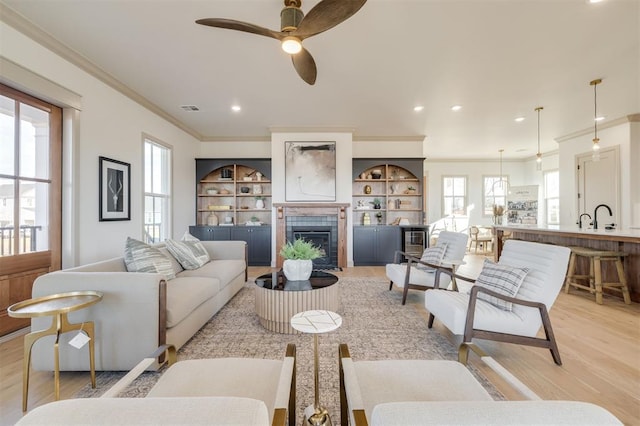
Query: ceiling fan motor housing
[(290, 18)]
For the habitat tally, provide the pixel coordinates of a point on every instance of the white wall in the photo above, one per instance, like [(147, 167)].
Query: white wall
[(111, 125), (571, 147)]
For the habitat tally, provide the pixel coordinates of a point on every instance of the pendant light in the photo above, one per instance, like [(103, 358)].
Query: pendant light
[(596, 141), (502, 186), (539, 154)]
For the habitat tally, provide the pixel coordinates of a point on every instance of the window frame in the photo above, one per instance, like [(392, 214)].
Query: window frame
[(444, 197), (485, 194), (547, 198), (166, 227)]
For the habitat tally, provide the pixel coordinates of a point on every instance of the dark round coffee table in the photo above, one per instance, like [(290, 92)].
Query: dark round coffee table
[(278, 299)]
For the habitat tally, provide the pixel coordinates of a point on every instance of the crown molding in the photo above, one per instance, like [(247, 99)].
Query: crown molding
[(409, 138), (236, 139), (311, 129), (631, 118), (26, 27)]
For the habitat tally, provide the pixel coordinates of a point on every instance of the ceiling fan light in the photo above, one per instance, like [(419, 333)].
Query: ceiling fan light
[(291, 45)]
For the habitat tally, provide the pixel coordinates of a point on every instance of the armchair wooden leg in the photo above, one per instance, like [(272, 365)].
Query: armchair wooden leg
[(431, 318), (390, 284), (405, 291)]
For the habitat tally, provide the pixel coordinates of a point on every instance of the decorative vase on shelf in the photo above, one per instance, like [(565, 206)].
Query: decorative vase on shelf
[(259, 203), (297, 269), (212, 220)]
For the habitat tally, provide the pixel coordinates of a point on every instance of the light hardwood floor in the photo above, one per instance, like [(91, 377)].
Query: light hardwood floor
[(599, 345)]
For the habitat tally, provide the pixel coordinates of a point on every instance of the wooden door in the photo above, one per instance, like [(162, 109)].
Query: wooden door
[(30, 197), (599, 183)]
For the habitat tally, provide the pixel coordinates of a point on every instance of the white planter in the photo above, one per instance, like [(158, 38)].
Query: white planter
[(297, 270)]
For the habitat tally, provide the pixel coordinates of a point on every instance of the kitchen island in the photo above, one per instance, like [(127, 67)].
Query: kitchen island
[(625, 240)]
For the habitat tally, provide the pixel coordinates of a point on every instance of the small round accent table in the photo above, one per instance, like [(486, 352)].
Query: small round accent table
[(278, 299), (56, 306), (316, 322)]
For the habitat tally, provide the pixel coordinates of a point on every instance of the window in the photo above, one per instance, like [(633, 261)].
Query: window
[(552, 197), (495, 193), (454, 195), (27, 178), (157, 191)]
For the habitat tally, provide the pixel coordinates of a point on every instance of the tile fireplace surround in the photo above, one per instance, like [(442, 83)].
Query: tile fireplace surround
[(338, 210)]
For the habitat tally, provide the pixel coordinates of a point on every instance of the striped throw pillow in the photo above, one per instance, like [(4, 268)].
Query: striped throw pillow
[(433, 256), (502, 279), (141, 257), (191, 254)]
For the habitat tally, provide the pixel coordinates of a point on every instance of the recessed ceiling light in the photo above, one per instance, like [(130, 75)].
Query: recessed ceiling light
[(599, 118), (418, 108), (456, 108), (236, 108), (519, 119), (595, 1)]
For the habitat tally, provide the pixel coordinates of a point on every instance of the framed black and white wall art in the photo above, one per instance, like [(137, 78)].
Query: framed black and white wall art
[(310, 171), (115, 190)]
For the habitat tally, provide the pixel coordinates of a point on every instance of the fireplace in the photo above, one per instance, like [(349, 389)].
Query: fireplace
[(324, 224), (324, 237)]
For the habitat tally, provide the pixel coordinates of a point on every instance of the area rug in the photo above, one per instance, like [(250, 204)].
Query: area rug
[(375, 326)]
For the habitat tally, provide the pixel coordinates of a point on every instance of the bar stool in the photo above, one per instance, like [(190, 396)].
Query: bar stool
[(596, 257)]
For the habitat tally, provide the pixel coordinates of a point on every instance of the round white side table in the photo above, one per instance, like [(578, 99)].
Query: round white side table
[(316, 322)]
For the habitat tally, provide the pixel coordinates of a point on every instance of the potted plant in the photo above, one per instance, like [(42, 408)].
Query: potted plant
[(299, 256), (376, 203), (410, 190)]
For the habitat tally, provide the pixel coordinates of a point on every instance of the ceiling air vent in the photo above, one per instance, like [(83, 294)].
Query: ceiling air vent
[(189, 108)]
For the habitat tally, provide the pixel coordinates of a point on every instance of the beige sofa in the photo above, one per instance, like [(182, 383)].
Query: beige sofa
[(139, 311)]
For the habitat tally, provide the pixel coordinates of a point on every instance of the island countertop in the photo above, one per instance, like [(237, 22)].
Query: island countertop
[(618, 234), (625, 240)]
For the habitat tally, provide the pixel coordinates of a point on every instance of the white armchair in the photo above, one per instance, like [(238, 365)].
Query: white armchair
[(442, 392), (418, 274), (472, 316)]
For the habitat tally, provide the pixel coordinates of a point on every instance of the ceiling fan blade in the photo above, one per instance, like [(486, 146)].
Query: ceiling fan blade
[(305, 66), (326, 15), (246, 27)]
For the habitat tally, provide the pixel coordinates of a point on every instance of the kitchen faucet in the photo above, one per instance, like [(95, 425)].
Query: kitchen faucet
[(580, 219), (595, 214)]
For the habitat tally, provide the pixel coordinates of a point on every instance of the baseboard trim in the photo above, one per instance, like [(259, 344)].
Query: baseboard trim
[(13, 335)]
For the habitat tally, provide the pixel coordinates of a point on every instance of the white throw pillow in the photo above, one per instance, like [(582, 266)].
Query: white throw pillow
[(432, 255), (141, 257), (190, 253), (502, 279)]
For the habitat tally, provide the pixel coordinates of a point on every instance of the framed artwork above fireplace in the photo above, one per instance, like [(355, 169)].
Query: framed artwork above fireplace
[(310, 171)]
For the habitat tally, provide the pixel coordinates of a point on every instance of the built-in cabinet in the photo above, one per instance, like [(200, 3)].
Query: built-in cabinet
[(375, 245), (397, 186), (238, 194)]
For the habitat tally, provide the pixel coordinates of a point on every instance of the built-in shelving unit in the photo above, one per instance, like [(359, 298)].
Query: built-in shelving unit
[(228, 189), (398, 187), (231, 192)]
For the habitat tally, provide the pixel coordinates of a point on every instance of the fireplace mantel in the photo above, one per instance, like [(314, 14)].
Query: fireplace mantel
[(283, 210)]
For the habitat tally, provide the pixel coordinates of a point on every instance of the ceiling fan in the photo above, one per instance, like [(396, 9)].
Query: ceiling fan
[(295, 27)]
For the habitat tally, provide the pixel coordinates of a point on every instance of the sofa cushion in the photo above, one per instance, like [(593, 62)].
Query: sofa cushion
[(190, 254), (221, 410), (224, 270), (184, 294), (141, 257), (502, 279)]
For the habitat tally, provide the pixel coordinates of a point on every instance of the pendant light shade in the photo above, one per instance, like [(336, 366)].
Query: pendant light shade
[(539, 153), (596, 140)]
